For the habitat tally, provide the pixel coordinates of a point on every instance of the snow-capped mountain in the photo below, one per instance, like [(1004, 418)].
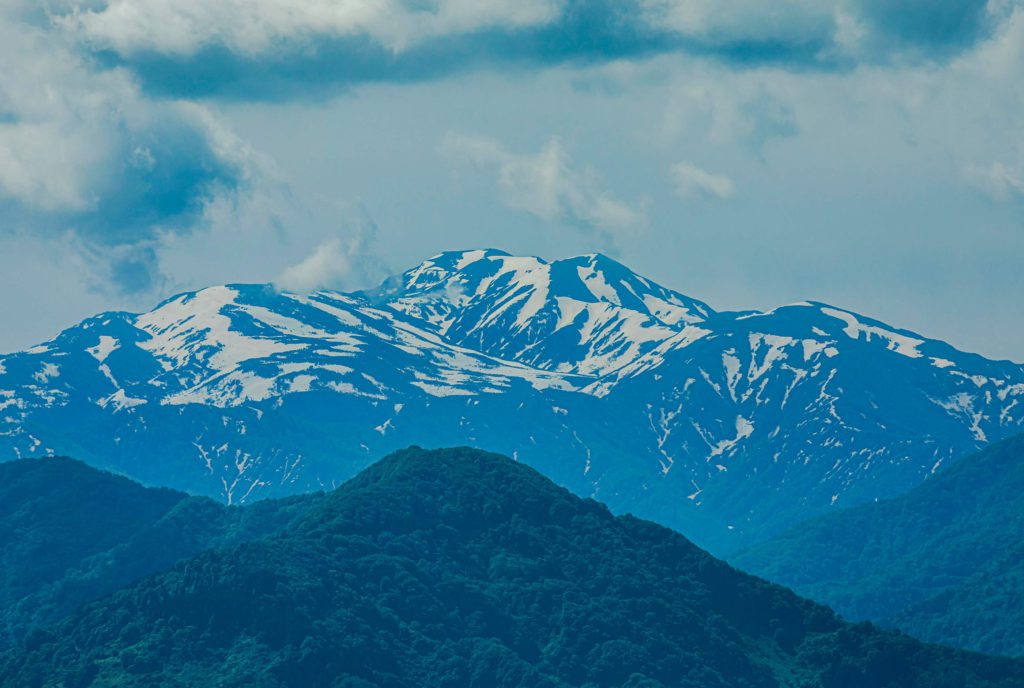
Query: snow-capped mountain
[(727, 426), (589, 315)]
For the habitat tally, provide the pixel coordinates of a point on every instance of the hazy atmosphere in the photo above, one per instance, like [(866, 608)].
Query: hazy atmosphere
[(512, 343)]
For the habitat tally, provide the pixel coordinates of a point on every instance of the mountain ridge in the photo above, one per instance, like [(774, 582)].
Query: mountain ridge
[(728, 426)]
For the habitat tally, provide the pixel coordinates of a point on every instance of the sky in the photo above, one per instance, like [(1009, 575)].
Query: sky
[(865, 153)]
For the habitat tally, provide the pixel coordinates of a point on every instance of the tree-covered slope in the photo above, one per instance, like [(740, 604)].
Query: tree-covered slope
[(985, 612), (943, 561), (70, 534), (461, 568)]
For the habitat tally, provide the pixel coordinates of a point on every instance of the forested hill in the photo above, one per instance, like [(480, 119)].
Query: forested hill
[(70, 534), (943, 562), (462, 568)]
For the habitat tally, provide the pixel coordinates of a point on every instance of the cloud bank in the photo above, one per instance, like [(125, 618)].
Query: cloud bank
[(280, 49), (166, 145), (83, 153)]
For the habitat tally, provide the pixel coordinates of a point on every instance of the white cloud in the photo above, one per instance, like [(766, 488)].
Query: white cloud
[(990, 78), (549, 186), (802, 30), (694, 182), (755, 108), (75, 140), (996, 179), (338, 262), (59, 121), (83, 150), (328, 265), (183, 27)]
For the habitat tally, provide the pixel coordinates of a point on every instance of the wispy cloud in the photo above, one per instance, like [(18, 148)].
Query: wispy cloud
[(694, 182), (328, 265), (339, 262), (998, 180), (548, 185)]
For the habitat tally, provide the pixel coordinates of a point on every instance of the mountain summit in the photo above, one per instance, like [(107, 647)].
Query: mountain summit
[(727, 426), (589, 315)]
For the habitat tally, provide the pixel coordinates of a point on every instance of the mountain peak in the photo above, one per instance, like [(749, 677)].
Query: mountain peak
[(437, 269), (460, 486), (465, 256), (475, 467), (587, 314), (600, 260)]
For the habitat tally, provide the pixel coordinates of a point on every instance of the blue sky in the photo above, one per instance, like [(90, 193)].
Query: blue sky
[(867, 153)]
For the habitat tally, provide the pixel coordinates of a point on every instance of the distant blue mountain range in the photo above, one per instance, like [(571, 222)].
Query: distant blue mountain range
[(726, 426)]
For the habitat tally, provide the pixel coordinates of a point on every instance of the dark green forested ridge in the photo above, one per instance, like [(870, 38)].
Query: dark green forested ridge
[(985, 611), (70, 534), (462, 568), (943, 562), (55, 514)]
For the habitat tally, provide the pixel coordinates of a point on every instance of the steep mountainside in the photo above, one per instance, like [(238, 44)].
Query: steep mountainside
[(943, 562), (589, 315), (460, 568), (70, 534), (728, 426)]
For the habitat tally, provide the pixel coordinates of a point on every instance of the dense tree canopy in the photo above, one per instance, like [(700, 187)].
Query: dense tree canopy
[(461, 568), (70, 534), (943, 562)]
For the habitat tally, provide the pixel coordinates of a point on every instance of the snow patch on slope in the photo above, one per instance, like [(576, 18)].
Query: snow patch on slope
[(901, 344), (195, 327), (106, 346)]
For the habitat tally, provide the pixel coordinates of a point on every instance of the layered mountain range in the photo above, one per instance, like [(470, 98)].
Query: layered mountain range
[(728, 426), (943, 562), (445, 568)]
